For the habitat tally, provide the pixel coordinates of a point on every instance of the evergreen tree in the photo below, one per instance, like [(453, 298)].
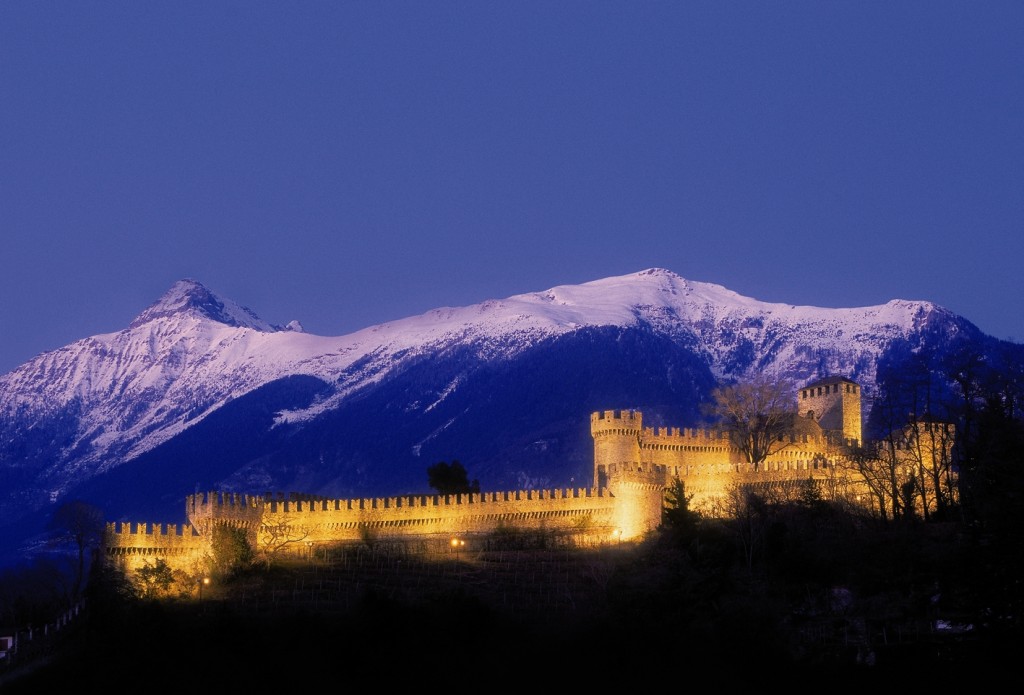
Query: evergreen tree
[(450, 479)]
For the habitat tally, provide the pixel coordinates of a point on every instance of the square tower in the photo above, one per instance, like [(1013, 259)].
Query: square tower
[(834, 403)]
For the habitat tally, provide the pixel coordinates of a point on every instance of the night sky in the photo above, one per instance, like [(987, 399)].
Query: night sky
[(350, 163)]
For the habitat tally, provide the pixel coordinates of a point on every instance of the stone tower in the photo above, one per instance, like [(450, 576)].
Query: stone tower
[(834, 403), (638, 486), (616, 436)]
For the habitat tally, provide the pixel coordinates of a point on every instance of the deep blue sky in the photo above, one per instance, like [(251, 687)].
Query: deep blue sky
[(349, 163)]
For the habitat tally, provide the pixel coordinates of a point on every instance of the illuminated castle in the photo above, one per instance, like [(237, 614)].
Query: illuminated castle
[(826, 429), (633, 466)]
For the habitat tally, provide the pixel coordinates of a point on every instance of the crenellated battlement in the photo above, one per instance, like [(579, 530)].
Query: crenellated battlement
[(326, 520), (626, 422), (682, 437), (214, 500), (683, 433), (135, 543), (126, 529), (650, 474), (216, 505), (303, 520), (206, 508), (289, 505)]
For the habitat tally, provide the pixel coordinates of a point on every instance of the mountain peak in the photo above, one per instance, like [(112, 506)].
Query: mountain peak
[(664, 272), (190, 297)]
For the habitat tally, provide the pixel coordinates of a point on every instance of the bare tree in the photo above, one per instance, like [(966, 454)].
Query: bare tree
[(909, 471), (913, 415), (930, 447), (81, 525), (887, 475), (759, 415), (880, 482), (966, 368), (275, 537)]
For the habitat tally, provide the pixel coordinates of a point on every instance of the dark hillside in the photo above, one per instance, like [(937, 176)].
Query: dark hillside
[(826, 597)]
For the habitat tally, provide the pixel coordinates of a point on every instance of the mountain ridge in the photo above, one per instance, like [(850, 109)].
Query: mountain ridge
[(191, 296), (172, 335), (83, 411)]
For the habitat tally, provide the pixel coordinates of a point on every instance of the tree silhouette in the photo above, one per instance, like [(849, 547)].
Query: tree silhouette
[(80, 524), (758, 413), (450, 479), (676, 513)]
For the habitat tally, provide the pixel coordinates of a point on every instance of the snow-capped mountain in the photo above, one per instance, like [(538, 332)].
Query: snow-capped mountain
[(199, 392)]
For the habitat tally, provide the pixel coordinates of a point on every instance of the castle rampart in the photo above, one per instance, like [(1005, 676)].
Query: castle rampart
[(326, 521), (707, 461), (633, 466), (302, 522), (133, 545)]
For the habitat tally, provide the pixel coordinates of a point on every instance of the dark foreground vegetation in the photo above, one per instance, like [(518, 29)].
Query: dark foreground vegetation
[(798, 592), (791, 591)]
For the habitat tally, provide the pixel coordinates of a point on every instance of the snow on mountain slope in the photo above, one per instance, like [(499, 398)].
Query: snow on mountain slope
[(657, 297), (191, 351), (190, 297)]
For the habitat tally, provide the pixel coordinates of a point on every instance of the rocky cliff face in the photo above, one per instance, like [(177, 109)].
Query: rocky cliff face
[(199, 392)]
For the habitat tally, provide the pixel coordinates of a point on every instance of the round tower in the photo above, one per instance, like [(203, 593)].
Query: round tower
[(616, 436)]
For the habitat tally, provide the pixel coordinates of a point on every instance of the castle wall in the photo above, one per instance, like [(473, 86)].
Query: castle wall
[(303, 522), (710, 485), (672, 446), (131, 546), (924, 451), (205, 509), (633, 465), (298, 524), (704, 459), (639, 490)]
